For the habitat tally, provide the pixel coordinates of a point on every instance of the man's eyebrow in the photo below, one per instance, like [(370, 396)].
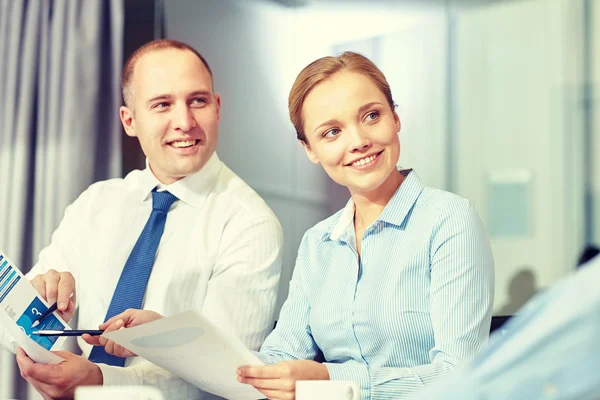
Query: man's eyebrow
[(170, 97), (160, 97), (200, 93)]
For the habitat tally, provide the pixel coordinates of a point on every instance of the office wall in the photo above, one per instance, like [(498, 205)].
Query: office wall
[(520, 139), (415, 61), (595, 134)]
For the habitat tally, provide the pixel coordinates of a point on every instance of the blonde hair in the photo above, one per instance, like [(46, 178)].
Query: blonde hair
[(150, 47), (322, 69)]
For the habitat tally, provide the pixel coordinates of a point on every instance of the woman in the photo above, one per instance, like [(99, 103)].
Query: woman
[(396, 288)]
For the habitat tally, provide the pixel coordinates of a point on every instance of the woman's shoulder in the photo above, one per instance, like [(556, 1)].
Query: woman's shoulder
[(436, 208), (447, 212), (326, 225), (438, 199), (426, 199)]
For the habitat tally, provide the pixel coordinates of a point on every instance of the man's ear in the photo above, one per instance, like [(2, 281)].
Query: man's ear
[(218, 103), (309, 153), (126, 115)]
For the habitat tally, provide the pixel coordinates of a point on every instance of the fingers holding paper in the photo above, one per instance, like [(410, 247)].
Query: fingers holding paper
[(132, 317), (109, 346), (59, 381), (57, 287), (278, 381), (126, 319)]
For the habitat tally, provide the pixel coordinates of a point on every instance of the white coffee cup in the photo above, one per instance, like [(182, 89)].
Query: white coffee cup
[(327, 390)]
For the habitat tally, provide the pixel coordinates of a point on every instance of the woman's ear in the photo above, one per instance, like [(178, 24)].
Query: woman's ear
[(397, 122), (309, 153)]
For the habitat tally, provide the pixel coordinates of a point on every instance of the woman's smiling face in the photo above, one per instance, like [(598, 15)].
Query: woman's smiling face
[(351, 131)]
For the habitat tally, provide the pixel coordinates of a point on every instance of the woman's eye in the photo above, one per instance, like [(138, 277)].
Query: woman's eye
[(373, 115), (331, 133)]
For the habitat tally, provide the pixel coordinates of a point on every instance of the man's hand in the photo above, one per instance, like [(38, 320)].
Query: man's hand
[(57, 287), (59, 381), (127, 319), (278, 381)]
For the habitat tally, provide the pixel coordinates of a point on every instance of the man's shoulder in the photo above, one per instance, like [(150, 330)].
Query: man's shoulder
[(111, 188), (237, 196)]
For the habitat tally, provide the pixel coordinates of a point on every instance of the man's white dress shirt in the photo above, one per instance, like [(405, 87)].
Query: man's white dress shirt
[(220, 253)]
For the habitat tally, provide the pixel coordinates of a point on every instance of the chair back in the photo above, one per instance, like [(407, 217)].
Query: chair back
[(498, 321)]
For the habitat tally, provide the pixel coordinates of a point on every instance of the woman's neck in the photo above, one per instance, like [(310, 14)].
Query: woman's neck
[(370, 205)]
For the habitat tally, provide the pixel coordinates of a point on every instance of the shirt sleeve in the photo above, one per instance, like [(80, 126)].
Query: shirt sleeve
[(242, 291), (461, 299), (292, 338), (63, 254)]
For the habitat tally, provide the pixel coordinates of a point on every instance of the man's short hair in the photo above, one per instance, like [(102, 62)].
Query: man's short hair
[(155, 45)]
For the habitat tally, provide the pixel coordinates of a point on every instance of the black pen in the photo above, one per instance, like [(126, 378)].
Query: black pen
[(73, 332), (49, 311)]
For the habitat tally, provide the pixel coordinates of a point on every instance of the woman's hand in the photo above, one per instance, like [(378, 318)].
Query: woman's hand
[(126, 319), (278, 381)]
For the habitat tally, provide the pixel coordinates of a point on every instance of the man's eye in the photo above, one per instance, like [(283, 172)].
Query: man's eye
[(199, 100), (161, 105)]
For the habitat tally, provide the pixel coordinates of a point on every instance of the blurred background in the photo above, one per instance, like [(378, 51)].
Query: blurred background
[(499, 103)]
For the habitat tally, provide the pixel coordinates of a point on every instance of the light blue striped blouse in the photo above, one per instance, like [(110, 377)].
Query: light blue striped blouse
[(418, 302)]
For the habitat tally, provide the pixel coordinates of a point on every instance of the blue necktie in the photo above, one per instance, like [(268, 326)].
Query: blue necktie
[(134, 278)]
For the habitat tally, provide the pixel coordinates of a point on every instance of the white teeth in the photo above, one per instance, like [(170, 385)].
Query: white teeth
[(183, 143), (364, 161)]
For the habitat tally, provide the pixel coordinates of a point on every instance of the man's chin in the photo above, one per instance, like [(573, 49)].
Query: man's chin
[(186, 171)]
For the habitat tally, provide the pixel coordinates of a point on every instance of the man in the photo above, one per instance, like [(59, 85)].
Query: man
[(220, 244), (550, 351)]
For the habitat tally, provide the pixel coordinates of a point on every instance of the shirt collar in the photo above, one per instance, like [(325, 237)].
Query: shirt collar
[(344, 221), (192, 190), (395, 212)]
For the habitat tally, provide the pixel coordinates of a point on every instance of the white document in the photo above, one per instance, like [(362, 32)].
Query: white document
[(20, 306), (190, 346)]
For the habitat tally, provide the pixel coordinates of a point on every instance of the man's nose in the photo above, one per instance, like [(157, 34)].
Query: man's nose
[(184, 119)]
